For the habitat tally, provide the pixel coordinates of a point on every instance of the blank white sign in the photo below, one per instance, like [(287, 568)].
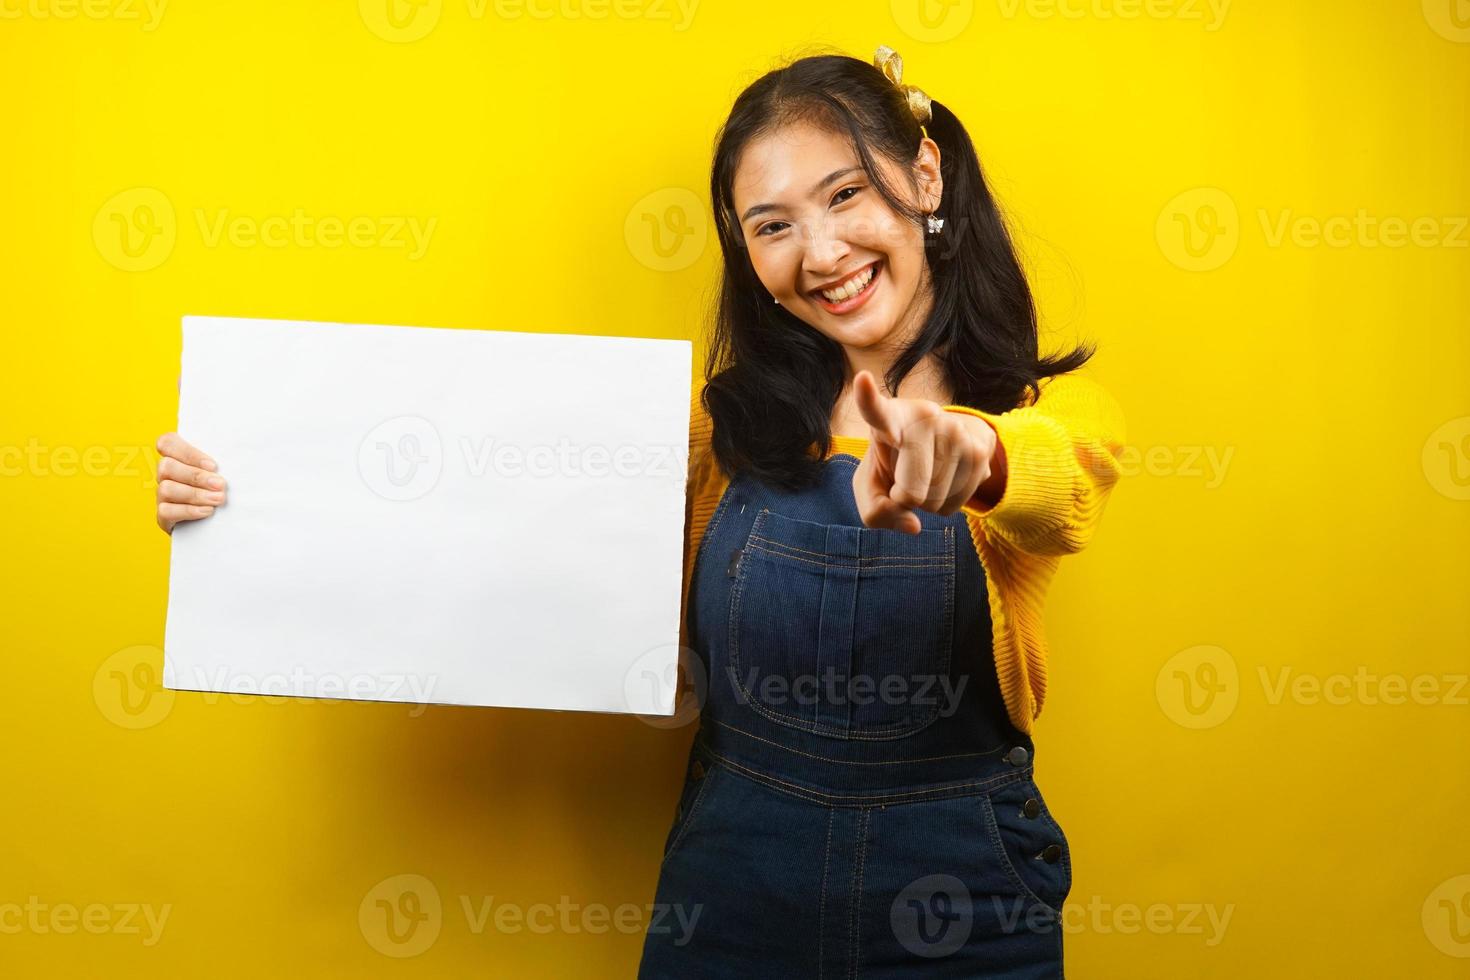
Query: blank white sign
[(430, 515)]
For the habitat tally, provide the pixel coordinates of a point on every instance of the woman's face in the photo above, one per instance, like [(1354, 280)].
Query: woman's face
[(812, 221)]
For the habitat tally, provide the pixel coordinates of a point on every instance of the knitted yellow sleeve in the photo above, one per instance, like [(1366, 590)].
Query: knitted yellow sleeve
[(1062, 459)]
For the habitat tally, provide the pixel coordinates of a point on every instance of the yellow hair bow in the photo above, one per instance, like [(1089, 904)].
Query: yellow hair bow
[(890, 63)]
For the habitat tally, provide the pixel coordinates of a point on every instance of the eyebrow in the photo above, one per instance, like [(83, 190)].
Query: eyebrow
[(756, 209)]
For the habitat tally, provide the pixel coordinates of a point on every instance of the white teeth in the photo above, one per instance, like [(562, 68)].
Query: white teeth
[(850, 288)]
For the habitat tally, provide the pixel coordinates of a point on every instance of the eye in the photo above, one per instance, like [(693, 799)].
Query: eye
[(768, 226), (838, 198)]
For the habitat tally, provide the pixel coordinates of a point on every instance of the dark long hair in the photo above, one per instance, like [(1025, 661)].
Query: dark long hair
[(773, 379)]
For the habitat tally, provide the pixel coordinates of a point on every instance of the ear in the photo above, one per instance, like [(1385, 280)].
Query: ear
[(926, 173)]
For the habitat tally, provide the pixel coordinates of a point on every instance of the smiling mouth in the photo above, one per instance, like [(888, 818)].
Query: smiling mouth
[(857, 299)]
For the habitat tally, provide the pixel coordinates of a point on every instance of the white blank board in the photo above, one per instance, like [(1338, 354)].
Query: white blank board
[(431, 515)]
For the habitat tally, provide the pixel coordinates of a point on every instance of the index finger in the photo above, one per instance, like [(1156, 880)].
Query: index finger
[(872, 404), (173, 444)]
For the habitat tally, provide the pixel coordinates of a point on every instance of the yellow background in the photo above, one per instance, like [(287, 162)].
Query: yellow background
[(1165, 166)]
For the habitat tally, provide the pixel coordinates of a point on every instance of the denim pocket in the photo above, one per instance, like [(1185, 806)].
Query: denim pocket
[(840, 630), (697, 781), (1028, 843)]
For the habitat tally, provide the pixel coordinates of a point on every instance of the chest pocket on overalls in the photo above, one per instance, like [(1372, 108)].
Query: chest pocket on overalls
[(843, 631)]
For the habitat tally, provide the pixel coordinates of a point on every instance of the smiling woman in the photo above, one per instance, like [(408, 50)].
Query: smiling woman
[(835, 243), (866, 562), (827, 169)]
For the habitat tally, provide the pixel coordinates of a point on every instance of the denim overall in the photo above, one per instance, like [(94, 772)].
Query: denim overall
[(857, 802)]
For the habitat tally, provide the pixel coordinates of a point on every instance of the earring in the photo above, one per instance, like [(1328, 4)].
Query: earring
[(936, 225), (778, 302)]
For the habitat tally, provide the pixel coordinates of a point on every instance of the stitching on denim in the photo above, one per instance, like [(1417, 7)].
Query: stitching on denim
[(714, 524), (856, 762), (732, 626), (934, 792), (932, 553), (992, 826), (937, 559), (937, 563), (946, 627), (859, 560), (706, 536), (699, 795), (877, 733), (822, 896), (854, 911), (816, 722)]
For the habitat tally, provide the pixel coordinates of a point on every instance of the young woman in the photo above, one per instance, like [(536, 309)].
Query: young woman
[(867, 565), (866, 559)]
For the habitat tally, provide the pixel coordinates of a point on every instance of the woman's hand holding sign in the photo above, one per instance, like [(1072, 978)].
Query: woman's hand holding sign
[(189, 486)]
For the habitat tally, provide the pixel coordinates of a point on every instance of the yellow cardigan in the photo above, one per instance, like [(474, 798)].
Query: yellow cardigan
[(1062, 454)]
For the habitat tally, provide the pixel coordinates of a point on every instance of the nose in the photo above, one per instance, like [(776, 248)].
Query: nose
[(825, 250)]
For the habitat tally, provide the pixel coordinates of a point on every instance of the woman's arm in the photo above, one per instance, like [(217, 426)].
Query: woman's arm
[(1060, 461)]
